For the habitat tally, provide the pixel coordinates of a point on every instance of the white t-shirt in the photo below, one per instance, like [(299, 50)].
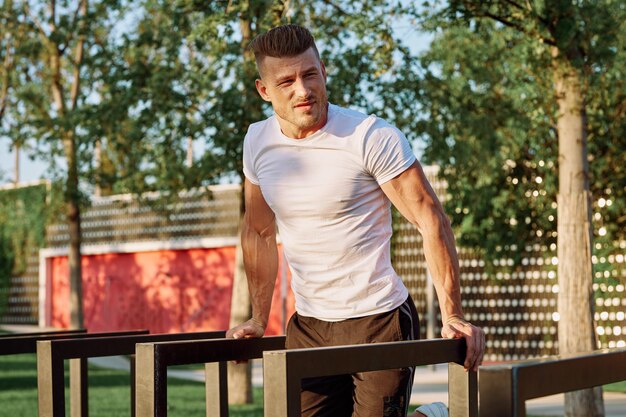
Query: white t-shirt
[(333, 218)]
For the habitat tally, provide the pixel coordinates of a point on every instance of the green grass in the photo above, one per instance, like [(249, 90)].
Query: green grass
[(616, 387), (109, 392)]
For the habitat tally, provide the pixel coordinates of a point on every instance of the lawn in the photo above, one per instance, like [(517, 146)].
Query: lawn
[(109, 393)]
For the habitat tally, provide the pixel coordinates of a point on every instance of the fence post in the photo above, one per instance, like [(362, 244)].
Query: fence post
[(79, 405), (216, 385), (462, 391), (283, 397), (498, 396)]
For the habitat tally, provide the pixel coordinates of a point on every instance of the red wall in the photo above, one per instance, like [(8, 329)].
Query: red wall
[(163, 291)]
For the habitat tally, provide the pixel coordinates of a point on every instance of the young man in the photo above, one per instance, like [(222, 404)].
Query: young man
[(325, 176)]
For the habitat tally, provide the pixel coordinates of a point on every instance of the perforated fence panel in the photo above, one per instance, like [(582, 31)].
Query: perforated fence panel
[(22, 296), (212, 213), (517, 307)]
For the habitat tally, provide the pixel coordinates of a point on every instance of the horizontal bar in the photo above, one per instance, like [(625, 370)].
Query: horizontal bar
[(16, 345), (284, 370), (349, 359), (120, 345), (154, 358), (48, 333), (52, 353), (558, 374), (205, 351)]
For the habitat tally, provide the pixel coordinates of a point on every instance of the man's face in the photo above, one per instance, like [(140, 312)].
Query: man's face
[(296, 87)]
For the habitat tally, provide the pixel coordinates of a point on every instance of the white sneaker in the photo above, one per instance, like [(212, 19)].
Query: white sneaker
[(434, 410)]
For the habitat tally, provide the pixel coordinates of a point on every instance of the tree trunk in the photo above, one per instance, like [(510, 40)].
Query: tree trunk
[(575, 301), (72, 203), (239, 375)]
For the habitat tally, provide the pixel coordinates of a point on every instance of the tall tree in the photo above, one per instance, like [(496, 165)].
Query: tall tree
[(47, 78), (545, 55)]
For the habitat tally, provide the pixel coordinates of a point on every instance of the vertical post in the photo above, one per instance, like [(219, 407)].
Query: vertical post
[(216, 386), (281, 395), (50, 382), (498, 396), (78, 388), (462, 391), (145, 381), (133, 394)]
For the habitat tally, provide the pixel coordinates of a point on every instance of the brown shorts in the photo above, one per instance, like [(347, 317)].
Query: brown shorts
[(364, 394)]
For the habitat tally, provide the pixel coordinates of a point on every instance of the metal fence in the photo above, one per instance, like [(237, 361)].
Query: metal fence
[(22, 295)]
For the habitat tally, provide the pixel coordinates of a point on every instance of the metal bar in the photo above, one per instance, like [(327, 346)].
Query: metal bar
[(154, 358), (564, 374), (27, 344), (462, 391), (217, 350), (216, 386), (497, 394), (94, 346), (505, 388), (349, 359), (133, 396), (78, 388), (285, 369), (48, 333), (122, 345)]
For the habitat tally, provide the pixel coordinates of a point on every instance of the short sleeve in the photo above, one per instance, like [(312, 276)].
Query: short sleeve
[(248, 160), (387, 152)]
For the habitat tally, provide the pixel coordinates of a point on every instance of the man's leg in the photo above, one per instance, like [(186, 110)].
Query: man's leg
[(387, 393), (325, 396)]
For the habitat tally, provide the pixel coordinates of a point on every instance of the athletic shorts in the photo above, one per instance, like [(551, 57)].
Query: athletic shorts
[(364, 394)]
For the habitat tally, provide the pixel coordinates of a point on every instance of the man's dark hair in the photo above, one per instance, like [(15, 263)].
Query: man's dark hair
[(282, 41)]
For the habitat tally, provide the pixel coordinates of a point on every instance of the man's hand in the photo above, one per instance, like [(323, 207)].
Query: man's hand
[(456, 328), (247, 330)]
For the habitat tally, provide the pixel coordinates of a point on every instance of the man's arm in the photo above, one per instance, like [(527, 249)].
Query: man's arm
[(260, 256), (413, 196)]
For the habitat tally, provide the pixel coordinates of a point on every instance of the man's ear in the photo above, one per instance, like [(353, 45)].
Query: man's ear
[(262, 89), (323, 69)]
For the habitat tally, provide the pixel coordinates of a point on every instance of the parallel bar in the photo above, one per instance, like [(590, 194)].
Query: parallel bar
[(28, 344), (81, 349), (571, 373), (122, 345), (48, 333), (216, 386), (154, 358), (505, 388), (284, 370), (349, 359)]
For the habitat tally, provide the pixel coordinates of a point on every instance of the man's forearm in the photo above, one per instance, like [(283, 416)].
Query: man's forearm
[(442, 261), (261, 264)]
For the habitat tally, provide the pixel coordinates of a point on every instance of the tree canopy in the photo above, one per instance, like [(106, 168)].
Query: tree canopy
[(490, 123)]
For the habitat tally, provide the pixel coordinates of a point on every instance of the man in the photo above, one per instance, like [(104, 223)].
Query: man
[(325, 176)]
